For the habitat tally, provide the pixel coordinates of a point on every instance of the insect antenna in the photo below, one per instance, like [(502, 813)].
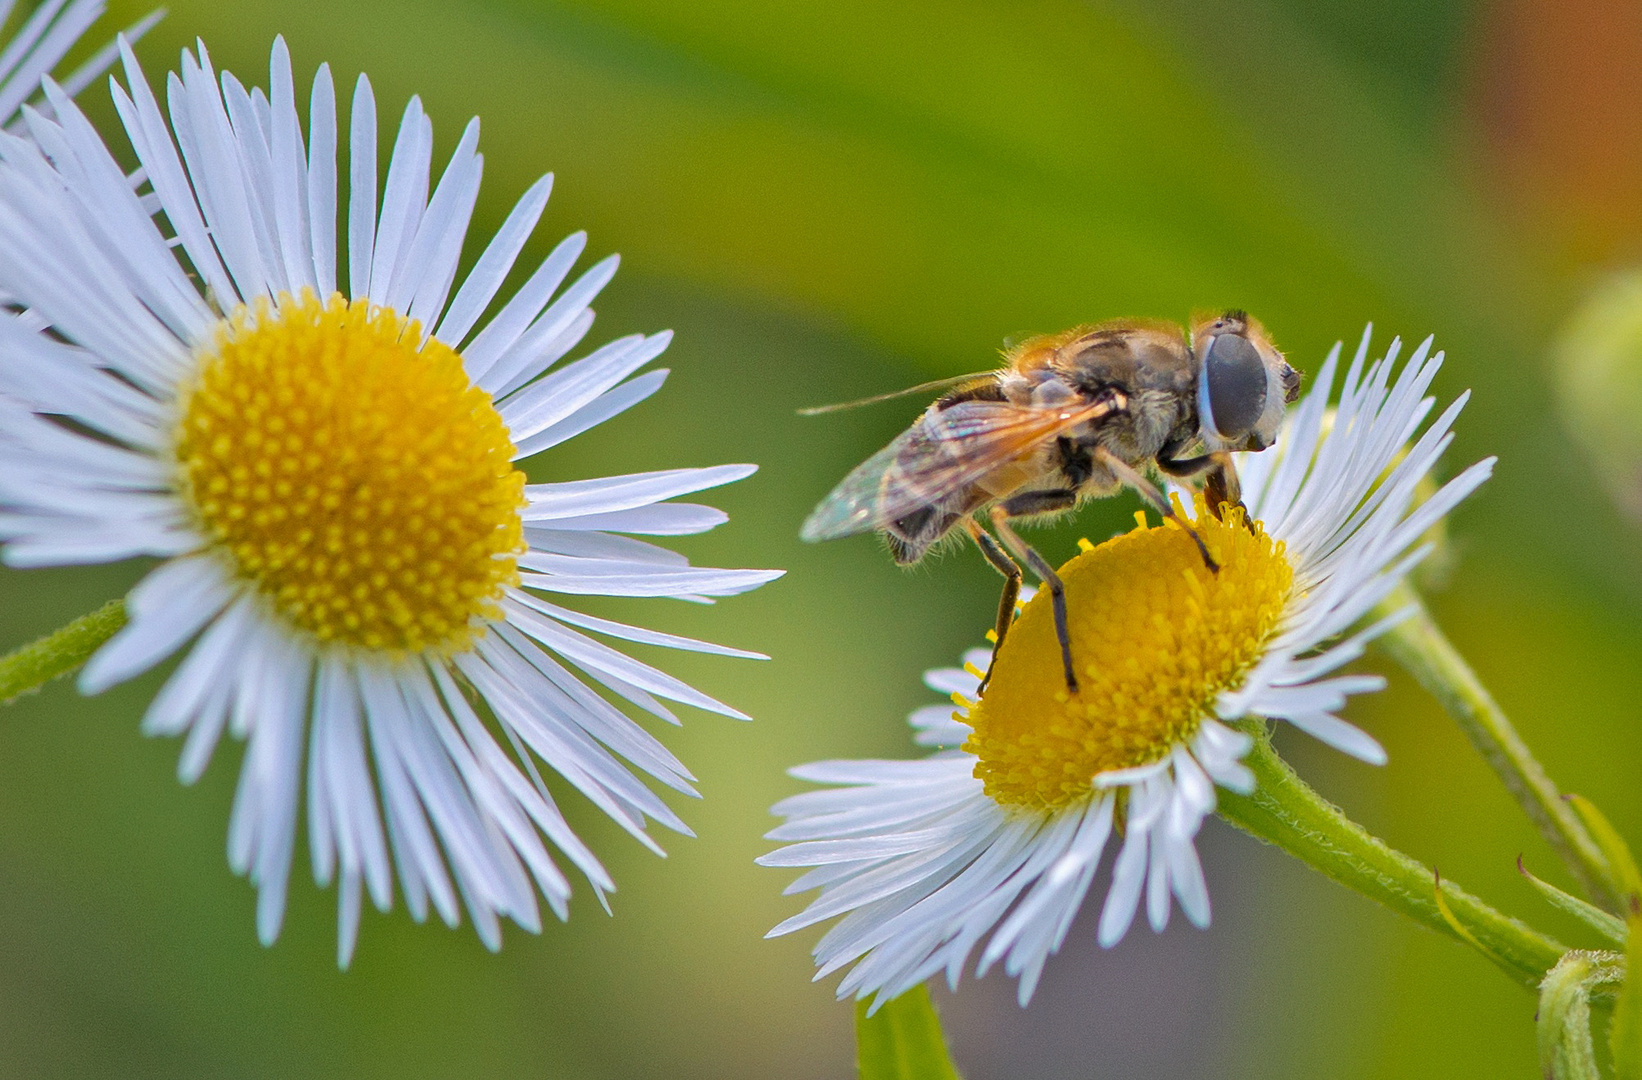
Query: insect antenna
[(937, 384)]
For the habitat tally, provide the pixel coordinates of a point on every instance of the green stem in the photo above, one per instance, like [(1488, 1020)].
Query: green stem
[(1625, 1034), (1286, 812), (59, 652), (902, 1040), (1420, 646), (1566, 1049)]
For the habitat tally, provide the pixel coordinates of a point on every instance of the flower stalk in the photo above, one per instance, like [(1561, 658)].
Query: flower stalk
[(58, 653), (1283, 810), (1420, 646), (902, 1040)]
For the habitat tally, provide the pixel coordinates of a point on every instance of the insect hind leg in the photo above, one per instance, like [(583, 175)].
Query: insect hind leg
[(1039, 502)]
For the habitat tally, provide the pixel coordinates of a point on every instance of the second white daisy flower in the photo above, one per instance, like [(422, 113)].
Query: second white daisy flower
[(998, 835)]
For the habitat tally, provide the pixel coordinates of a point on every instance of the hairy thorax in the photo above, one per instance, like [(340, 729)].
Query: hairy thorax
[(1138, 434)]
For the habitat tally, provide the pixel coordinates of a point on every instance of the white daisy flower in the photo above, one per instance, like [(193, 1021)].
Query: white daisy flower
[(38, 44), (1000, 832), (352, 567)]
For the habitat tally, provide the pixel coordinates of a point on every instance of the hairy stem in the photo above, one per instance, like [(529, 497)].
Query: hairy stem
[(1421, 647), (1566, 1049), (59, 652), (1283, 810)]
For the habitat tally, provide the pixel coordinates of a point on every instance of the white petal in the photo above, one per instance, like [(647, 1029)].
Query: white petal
[(361, 188), (1128, 877), (1340, 735), (322, 135), (166, 609), (608, 494), (488, 273)]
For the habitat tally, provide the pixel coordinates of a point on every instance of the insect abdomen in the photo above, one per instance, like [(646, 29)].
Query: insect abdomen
[(911, 537)]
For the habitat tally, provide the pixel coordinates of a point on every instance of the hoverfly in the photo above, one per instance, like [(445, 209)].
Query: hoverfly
[(1068, 416)]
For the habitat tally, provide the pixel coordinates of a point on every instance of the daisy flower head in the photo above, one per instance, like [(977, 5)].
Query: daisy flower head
[(354, 573), (35, 46), (999, 833)]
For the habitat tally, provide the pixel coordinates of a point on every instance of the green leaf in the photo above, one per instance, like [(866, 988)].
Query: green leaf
[(1609, 926), (902, 1040), (1454, 924), (1622, 872), (1625, 1036)]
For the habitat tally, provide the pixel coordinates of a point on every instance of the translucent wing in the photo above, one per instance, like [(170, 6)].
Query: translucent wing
[(941, 454)]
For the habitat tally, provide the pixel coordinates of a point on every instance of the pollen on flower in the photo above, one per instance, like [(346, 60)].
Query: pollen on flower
[(1155, 638), (352, 474)]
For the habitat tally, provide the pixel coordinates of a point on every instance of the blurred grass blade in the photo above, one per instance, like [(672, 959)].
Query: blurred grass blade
[(1625, 1036), (1598, 373), (1622, 872), (902, 1040), (1609, 926)]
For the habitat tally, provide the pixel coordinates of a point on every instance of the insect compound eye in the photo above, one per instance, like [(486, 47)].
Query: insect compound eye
[(1231, 387)]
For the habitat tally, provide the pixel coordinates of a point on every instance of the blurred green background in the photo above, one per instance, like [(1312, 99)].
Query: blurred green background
[(830, 200)]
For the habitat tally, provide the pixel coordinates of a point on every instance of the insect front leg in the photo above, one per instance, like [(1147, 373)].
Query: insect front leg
[(1148, 491), (1223, 488), (1040, 502), (1184, 468), (1011, 571), (1219, 489)]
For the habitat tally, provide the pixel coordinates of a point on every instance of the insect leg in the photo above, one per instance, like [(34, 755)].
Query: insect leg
[(1011, 571), (1035, 504), (1222, 487), (1185, 468), (1148, 491)]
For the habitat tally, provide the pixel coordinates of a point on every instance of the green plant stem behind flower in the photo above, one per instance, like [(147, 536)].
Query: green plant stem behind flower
[(902, 1040), (1418, 644), (59, 652), (1283, 810), (1625, 1037)]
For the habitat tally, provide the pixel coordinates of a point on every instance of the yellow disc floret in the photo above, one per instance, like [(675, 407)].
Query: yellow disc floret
[(1156, 636), (352, 473)]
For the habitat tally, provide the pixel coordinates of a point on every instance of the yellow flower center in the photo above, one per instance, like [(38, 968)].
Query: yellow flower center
[(1156, 636), (352, 474)]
